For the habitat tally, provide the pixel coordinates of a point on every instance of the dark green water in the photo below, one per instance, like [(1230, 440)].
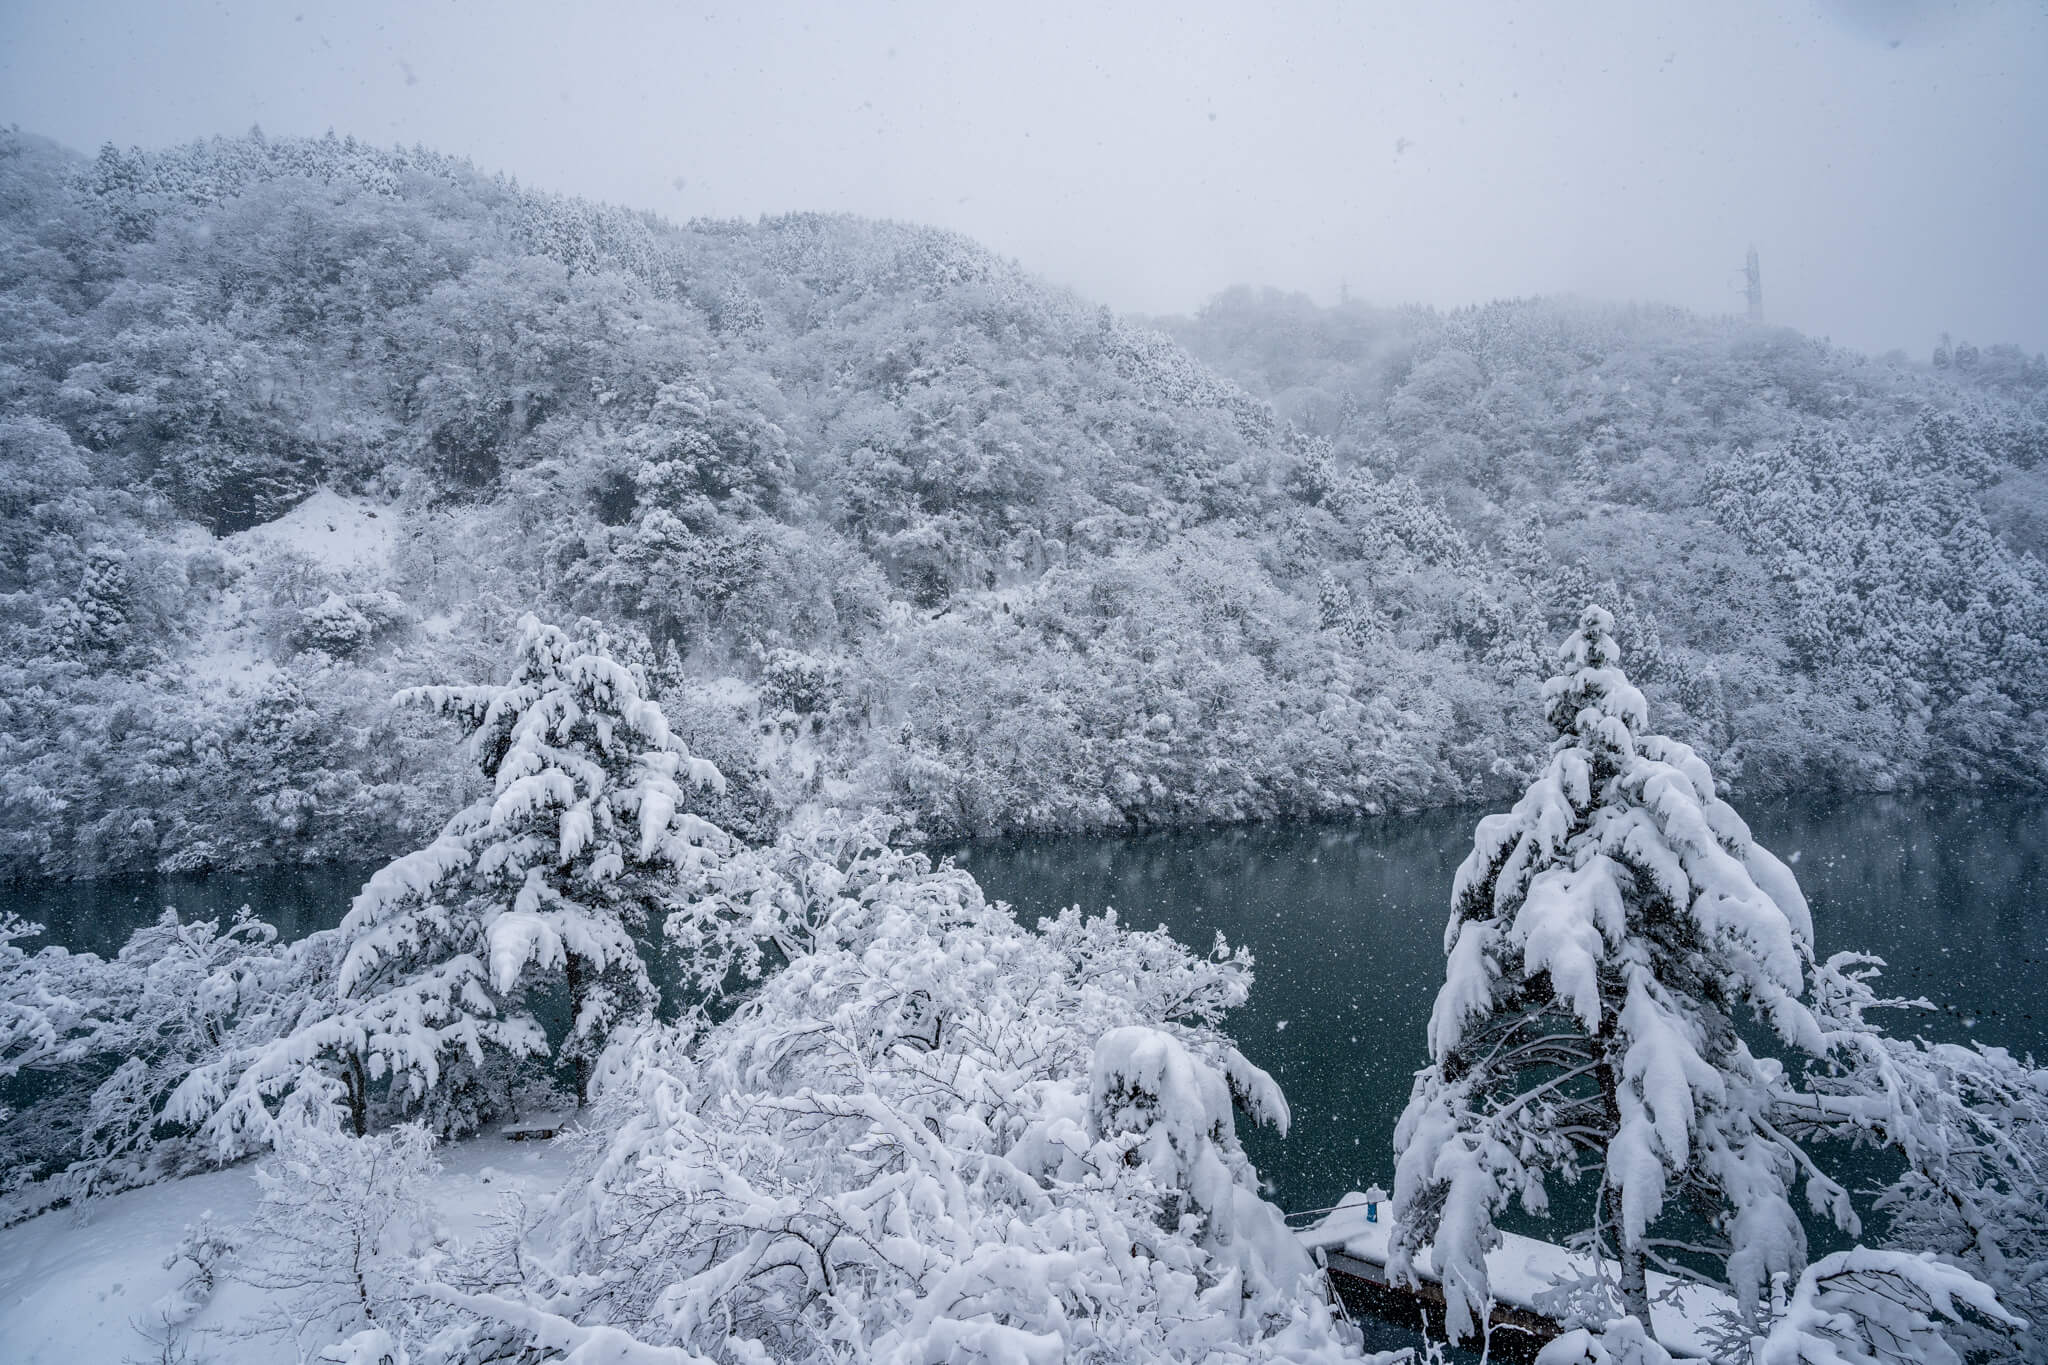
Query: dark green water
[(1347, 924), (98, 916)]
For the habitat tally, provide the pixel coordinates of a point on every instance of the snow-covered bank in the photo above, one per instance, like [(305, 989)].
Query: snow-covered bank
[(79, 1286)]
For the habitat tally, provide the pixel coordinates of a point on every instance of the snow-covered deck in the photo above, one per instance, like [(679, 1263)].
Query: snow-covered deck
[(1353, 1240)]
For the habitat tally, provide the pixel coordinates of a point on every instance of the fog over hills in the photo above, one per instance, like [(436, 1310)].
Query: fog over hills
[(1884, 156)]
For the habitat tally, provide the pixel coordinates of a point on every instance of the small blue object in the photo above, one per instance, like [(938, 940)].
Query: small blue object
[(1372, 1213)]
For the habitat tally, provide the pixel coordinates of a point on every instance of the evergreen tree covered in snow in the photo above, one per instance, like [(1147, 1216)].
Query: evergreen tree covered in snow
[(1608, 938), (281, 1036), (96, 624), (583, 843), (1604, 935), (406, 1039)]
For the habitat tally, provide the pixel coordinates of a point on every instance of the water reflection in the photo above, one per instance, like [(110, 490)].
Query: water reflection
[(98, 916)]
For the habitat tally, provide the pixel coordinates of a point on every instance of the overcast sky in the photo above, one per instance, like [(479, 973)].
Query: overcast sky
[(1889, 158)]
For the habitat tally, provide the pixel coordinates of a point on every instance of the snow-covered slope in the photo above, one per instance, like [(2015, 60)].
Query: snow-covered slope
[(342, 534), (77, 1287)]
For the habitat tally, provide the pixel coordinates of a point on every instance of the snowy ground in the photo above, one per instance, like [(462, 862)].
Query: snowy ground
[(73, 1286), (342, 534), (350, 539)]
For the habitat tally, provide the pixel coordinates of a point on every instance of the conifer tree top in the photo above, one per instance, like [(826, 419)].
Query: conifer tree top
[(1591, 699)]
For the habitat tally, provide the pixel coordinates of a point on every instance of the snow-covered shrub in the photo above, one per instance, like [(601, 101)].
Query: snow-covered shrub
[(343, 625), (931, 1135), (799, 683), (119, 1037), (1170, 1114), (339, 1226), (36, 1015), (53, 1004), (817, 884), (1971, 1125), (1622, 1342), (333, 626), (207, 1250), (206, 1247)]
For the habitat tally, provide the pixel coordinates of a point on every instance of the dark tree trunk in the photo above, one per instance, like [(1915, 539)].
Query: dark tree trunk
[(579, 1065), (1635, 1285), (358, 1086), (1635, 1280)]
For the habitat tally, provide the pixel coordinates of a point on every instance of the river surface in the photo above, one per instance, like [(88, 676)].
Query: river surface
[(1347, 921)]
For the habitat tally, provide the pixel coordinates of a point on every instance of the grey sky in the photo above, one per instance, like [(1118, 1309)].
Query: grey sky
[(1889, 158)]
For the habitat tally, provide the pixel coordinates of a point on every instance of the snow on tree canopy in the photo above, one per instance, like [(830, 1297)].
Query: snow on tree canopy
[(933, 1135), (1145, 1088), (584, 837), (1603, 935), (1865, 1307)]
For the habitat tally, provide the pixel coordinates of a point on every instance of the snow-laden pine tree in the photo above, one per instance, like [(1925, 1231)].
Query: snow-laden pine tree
[(583, 842), (1604, 936), (409, 1038), (1607, 938), (554, 874)]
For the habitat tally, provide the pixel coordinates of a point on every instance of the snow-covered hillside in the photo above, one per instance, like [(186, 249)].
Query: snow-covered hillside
[(303, 422)]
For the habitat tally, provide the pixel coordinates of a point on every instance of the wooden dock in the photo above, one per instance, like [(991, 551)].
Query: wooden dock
[(1350, 1241), (1513, 1334)]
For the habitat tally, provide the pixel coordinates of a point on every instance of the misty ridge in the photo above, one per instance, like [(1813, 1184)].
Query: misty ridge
[(291, 424)]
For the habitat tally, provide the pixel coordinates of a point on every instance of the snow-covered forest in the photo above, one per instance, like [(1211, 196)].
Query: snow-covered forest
[(291, 425), (649, 600), (874, 1117)]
